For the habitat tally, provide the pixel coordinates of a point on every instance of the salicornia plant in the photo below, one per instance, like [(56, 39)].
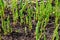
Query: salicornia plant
[(29, 17), (39, 15), (1, 8), (36, 15), (56, 21), (9, 28), (37, 30), (21, 11), (14, 10), (2, 15)]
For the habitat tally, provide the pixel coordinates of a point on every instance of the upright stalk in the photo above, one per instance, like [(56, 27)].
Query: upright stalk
[(56, 20)]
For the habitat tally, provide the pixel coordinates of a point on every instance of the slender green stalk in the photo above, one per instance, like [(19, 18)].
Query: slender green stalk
[(1, 8), (57, 36), (14, 9), (37, 30), (4, 26), (29, 17), (37, 9), (21, 11), (56, 20), (2, 15), (39, 26), (9, 29), (21, 3), (48, 11), (27, 20), (44, 37), (8, 23), (41, 17)]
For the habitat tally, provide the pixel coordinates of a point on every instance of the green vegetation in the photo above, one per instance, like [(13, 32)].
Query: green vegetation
[(55, 34), (14, 9), (40, 13)]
